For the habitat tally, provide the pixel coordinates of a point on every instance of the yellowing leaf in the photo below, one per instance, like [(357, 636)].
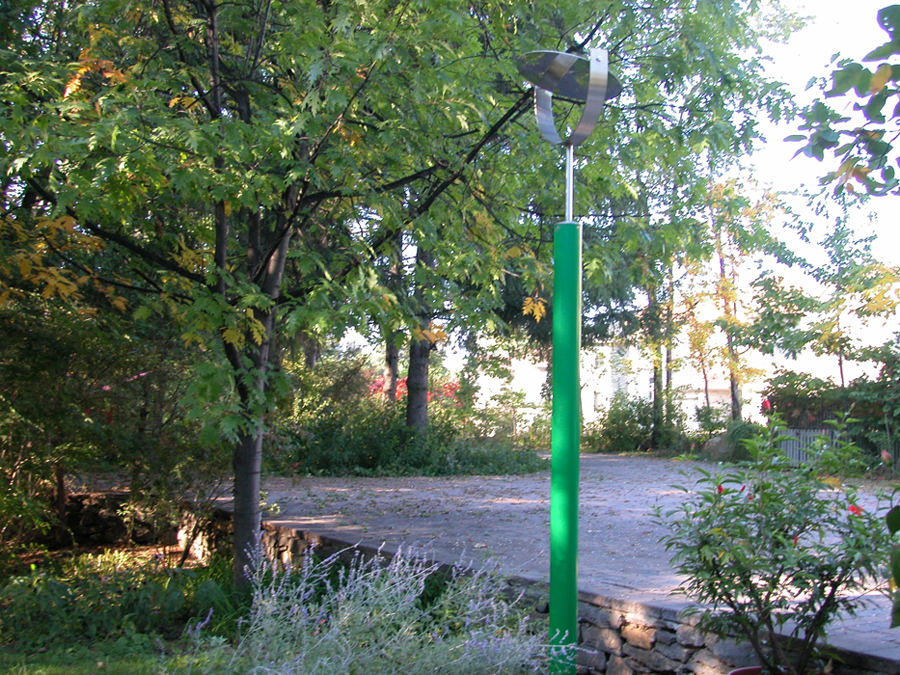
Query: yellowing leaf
[(74, 85), (433, 334), (536, 307), (233, 337), (880, 78)]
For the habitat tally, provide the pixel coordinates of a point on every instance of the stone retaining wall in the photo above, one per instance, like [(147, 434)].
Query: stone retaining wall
[(617, 637)]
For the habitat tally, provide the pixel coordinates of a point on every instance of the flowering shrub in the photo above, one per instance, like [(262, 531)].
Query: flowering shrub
[(769, 548)]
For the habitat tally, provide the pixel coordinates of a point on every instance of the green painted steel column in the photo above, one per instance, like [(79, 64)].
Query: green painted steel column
[(566, 437)]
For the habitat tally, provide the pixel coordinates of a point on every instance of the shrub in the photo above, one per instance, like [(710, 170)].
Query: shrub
[(839, 455), (375, 616), (738, 435), (770, 549), (712, 420), (625, 426), (370, 438), (340, 427), (108, 596)]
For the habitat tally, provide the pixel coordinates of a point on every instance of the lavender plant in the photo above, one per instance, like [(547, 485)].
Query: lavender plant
[(372, 616)]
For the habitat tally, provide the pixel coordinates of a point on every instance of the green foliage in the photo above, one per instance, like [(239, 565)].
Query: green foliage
[(860, 141), (805, 401), (840, 455), (108, 596), (254, 172), (627, 426), (82, 392), (339, 426), (767, 548), (368, 438), (623, 427), (374, 616), (892, 523), (713, 420), (537, 433), (126, 655), (737, 437)]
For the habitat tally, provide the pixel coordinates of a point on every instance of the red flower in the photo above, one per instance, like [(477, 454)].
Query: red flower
[(856, 510), (720, 489), (795, 540), (743, 487), (766, 405)]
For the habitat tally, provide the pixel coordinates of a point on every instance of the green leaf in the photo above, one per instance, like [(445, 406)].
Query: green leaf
[(873, 108), (845, 79), (862, 83), (889, 20), (893, 520), (895, 563), (884, 51), (794, 138)]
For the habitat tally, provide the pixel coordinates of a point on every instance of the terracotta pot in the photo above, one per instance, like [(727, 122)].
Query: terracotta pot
[(749, 670)]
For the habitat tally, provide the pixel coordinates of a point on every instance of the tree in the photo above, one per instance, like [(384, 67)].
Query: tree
[(863, 140), (853, 288), (246, 164), (223, 152)]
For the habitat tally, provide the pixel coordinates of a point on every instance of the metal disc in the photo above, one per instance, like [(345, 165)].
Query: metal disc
[(572, 85), (570, 77)]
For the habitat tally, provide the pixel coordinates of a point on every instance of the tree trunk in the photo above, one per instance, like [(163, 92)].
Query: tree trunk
[(658, 394), (417, 384), (247, 463), (735, 387), (419, 347), (705, 382), (391, 368)]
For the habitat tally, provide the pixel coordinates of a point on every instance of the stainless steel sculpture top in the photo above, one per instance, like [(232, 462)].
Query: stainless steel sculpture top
[(571, 78)]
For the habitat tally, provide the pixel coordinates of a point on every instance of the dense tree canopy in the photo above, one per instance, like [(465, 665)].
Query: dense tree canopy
[(250, 165)]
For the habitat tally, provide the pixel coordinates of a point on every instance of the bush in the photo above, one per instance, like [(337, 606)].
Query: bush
[(339, 426), (84, 391), (839, 455), (375, 616), (372, 439), (626, 426), (108, 596), (737, 437), (768, 549), (713, 420)]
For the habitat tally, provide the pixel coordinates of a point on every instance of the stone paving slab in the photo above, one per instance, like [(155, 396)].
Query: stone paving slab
[(506, 518)]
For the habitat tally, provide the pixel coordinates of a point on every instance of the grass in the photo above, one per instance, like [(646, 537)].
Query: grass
[(116, 657)]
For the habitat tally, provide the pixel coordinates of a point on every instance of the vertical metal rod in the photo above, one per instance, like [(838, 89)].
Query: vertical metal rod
[(565, 442), (570, 182)]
